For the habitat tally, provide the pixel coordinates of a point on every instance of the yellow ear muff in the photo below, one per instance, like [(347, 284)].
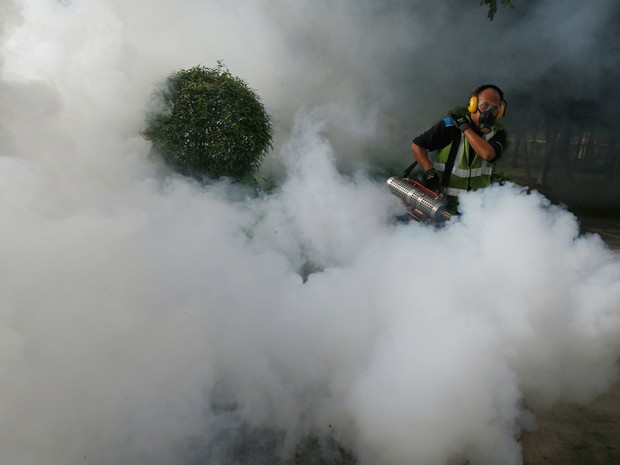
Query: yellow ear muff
[(472, 106), (502, 110)]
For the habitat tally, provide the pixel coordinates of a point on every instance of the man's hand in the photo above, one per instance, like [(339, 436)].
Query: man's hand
[(459, 121), (431, 180)]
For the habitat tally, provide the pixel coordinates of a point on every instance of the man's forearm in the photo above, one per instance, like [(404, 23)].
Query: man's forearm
[(481, 146), (421, 157)]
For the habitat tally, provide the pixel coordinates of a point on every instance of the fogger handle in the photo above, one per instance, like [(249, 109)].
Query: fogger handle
[(409, 169)]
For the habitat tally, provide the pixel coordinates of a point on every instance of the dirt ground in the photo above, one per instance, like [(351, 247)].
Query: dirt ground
[(574, 434)]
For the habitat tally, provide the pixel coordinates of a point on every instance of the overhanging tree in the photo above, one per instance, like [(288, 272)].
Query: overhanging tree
[(209, 122), (492, 4)]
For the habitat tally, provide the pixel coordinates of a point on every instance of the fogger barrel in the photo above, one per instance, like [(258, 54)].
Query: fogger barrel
[(434, 207)]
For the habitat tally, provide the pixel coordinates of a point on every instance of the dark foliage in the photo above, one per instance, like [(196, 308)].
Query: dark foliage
[(209, 123), (492, 4)]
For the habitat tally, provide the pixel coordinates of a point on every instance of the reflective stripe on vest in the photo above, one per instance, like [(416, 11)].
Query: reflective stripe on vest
[(453, 191), (485, 169)]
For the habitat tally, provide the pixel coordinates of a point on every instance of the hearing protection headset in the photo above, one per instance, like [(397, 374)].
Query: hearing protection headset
[(472, 105)]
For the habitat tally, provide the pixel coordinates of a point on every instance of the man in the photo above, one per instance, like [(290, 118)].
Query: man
[(466, 146)]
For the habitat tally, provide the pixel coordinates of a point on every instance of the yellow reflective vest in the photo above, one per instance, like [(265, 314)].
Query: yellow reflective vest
[(464, 176)]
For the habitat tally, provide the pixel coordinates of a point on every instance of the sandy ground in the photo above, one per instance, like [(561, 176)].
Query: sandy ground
[(580, 434), (576, 435)]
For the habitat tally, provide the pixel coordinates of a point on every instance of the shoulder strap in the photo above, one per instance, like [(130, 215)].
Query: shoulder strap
[(409, 169), (447, 172)]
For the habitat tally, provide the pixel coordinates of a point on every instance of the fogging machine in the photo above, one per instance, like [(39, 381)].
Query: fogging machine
[(422, 204)]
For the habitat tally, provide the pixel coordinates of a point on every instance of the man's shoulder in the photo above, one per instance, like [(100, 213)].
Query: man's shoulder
[(446, 130), (500, 133), (440, 134)]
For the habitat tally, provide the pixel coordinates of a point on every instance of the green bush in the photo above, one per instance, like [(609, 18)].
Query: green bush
[(209, 122)]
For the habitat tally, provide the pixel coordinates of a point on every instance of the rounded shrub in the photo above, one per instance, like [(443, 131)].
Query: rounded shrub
[(209, 122)]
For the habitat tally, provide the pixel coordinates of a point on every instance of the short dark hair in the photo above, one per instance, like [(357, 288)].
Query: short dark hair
[(488, 86)]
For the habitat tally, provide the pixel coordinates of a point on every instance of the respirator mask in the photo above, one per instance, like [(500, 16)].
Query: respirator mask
[(488, 114)]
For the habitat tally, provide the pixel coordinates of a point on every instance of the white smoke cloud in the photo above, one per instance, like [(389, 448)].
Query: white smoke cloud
[(145, 318)]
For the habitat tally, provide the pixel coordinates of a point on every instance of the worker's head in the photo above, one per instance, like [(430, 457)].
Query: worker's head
[(486, 105)]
